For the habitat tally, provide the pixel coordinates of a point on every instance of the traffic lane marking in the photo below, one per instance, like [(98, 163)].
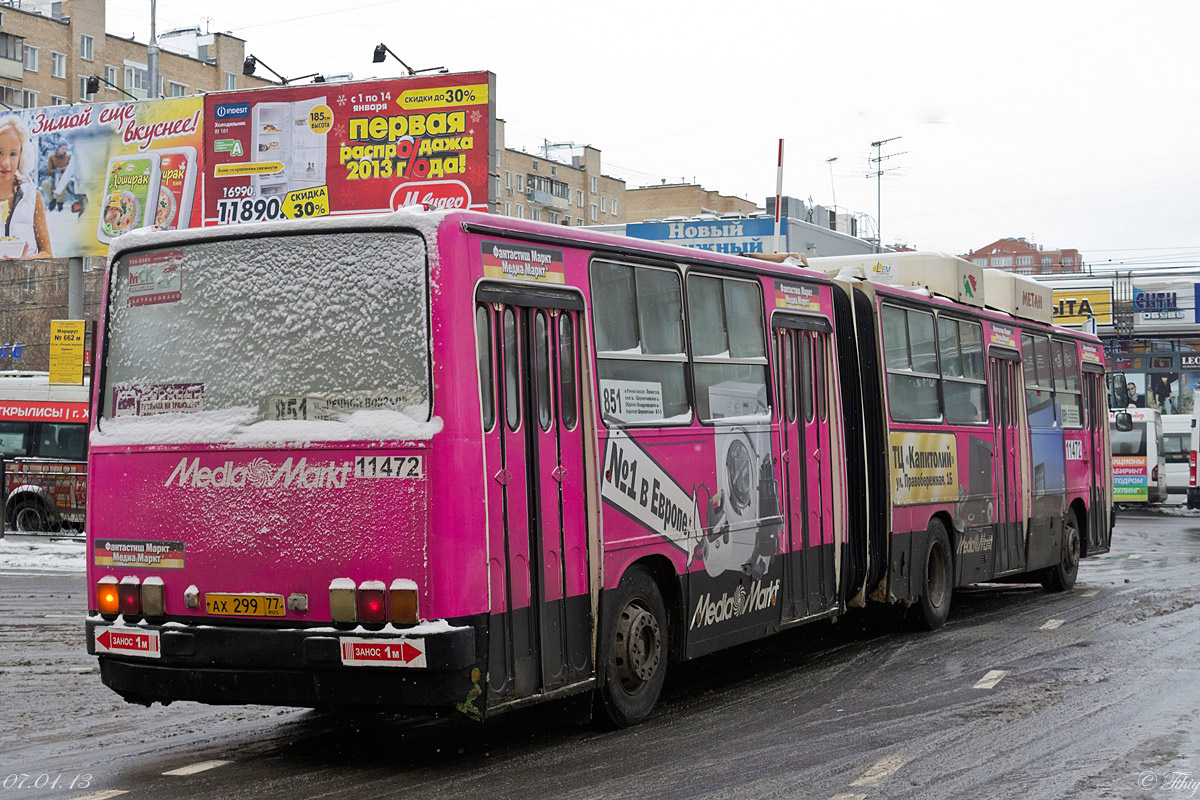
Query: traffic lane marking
[(991, 679), (879, 770), (1051, 624), (200, 766), (1092, 593), (104, 795), (849, 797)]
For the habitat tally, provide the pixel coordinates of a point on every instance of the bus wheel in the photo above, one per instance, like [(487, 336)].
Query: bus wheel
[(937, 584), (634, 649), (28, 516), (1062, 575)]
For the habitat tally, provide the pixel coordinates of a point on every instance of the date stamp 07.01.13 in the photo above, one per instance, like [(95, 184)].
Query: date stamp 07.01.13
[(46, 780)]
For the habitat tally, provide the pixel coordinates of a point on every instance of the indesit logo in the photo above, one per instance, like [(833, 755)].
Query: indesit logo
[(261, 473), (759, 598)]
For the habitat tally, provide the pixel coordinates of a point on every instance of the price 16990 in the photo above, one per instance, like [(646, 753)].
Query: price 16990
[(256, 209)]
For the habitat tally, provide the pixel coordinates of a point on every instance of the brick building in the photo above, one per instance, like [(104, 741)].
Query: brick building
[(535, 186), (1026, 258), (48, 50), (681, 199)]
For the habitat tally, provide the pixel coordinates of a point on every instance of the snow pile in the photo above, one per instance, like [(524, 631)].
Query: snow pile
[(32, 554), (1174, 511)]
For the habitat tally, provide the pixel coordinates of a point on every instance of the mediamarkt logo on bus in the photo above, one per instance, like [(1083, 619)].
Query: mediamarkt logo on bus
[(262, 473), (760, 598)]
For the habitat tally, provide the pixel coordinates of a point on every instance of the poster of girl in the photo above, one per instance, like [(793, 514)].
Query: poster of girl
[(23, 231)]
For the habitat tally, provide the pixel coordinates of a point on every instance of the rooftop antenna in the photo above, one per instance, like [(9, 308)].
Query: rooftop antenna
[(878, 175), (548, 145)]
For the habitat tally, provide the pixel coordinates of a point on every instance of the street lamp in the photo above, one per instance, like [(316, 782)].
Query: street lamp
[(252, 61), (93, 86), (382, 51)]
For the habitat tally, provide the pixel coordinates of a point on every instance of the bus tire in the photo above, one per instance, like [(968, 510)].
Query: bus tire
[(634, 649), (29, 516), (937, 578), (1062, 575)]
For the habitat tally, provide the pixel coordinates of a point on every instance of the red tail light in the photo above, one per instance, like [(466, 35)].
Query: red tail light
[(129, 596), (1154, 474), (1192, 468), (372, 602)]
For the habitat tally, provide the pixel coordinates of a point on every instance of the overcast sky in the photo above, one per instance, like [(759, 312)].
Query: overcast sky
[(1073, 124)]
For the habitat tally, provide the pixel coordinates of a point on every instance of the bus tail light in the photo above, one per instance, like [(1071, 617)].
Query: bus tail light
[(1192, 468), (106, 596), (403, 601), (341, 600), (154, 603), (1154, 474), (129, 596), (372, 602)]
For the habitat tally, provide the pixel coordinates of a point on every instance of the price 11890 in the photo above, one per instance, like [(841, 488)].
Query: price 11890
[(256, 209)]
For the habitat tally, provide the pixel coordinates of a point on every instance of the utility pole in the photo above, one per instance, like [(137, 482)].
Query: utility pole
[(832, 188), (878, 174), (152, 53)]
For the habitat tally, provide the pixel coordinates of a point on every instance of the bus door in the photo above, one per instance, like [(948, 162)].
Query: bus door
[(539, 559), (1095, 420), (802, 346), (1010, 539)]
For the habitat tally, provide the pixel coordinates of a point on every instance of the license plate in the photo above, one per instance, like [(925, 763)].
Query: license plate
[(244, 605)]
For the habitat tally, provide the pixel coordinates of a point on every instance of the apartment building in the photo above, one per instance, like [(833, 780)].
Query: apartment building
[(1026, 258), (49, 49), (538, 187), (681, 199)]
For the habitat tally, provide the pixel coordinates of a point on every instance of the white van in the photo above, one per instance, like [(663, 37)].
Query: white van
[(1139, 463), (1177, 448)]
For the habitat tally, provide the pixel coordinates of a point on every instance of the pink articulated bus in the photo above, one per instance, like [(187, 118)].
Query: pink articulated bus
[(446, 461)]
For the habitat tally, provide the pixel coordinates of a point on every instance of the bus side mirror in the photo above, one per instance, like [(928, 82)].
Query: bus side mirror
[(1118, 390), (1123, 421)]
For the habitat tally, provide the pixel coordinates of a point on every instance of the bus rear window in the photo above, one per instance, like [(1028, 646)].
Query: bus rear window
[(271, 329)]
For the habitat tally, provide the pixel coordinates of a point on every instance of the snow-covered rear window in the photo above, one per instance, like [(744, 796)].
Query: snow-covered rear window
[(283, 329)]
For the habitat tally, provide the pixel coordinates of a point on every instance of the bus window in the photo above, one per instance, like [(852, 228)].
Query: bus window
[(913, 379), (566, 370), (963, 383), (1039, 380), (728, 347), (541, 366), (806, 376), (789, 377), (512, 372), (483, 356), (1066, 384), (13, 438), (822, 386), (640, 356), (65, 441)]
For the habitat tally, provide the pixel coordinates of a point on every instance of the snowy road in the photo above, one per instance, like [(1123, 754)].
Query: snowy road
[(1095, 693)]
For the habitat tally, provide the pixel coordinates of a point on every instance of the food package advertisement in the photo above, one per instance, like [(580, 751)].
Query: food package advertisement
[(90, 173), (332, 149)]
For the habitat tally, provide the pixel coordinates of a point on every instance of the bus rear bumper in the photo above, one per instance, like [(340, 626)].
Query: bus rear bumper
[(305, 668)]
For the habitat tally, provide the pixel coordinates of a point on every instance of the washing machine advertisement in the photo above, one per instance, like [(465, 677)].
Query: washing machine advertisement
[(712, 504)]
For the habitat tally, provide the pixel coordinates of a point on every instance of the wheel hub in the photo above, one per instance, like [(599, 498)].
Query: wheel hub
[(638, 646)]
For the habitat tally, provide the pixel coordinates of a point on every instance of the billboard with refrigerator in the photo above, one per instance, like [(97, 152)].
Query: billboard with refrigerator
[(350, 148), (86, 174)]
